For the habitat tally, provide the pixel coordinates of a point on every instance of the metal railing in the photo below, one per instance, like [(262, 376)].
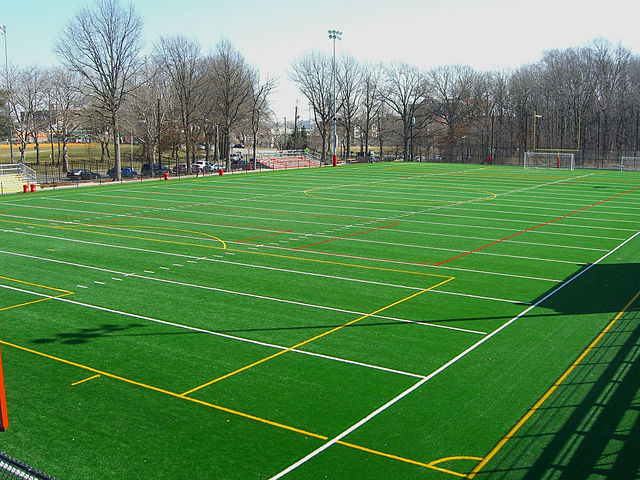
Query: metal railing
[(28, 173), (12, 469), (288, 159)]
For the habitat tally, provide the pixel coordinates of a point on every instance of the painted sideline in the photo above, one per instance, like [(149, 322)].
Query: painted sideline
[(454, 360), (549, 392)]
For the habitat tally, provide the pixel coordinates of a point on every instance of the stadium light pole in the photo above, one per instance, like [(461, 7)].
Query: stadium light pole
[(3, 28), (535, 130), (335, 35)]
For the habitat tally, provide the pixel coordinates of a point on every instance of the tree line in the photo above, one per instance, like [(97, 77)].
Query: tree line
[(583, 99), (175, 99)]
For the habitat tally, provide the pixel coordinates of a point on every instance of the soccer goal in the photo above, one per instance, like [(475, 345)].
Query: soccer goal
[(630, 163), (549, 160)]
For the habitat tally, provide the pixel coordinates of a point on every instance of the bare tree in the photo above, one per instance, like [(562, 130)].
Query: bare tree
[(384, 121), (4, 112), (66, 99), (36, 87), (405, 92), (181, 59), (455, 100), (231, 86), (611, 66), (348, 79), (20, 124), (259, 109), (313, 74), (151, 107), (28, 105), (371, 103), (103, 45)]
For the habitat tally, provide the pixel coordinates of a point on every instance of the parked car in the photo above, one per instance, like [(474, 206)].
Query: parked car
[(204, 166), (125, 172), (82, 174), (179, 170), (235, 156), (158, 170), (240, 165), (198, 165)]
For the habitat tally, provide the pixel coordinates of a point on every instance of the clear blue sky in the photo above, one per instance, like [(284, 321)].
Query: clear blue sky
[(486, 34)]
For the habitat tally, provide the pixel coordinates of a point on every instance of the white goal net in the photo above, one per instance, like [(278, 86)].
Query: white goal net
[(549, 160), (630, 163)]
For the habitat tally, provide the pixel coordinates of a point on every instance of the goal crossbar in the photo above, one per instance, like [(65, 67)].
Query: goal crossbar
[(556, 159), (630, 163)]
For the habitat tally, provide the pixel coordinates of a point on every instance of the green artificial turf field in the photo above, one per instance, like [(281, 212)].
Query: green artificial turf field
[(382, 321)]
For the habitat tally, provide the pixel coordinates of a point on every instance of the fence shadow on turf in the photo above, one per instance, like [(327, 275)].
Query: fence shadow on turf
[(604, 288), (590, 426)]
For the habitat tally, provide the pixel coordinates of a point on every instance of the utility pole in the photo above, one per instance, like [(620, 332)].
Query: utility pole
[(3, 28), (335, 35), (295, 128), (158, 140)]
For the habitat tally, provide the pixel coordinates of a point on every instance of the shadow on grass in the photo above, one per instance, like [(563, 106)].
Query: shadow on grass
[(583, 296), (590, 426), (85, 334), (604, 288)]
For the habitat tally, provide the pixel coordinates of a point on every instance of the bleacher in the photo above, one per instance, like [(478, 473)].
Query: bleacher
[(13, 178), (288, 159), (12, 183)]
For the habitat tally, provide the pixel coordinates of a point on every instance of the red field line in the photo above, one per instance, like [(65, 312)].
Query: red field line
[(347, 236), (533, 228)]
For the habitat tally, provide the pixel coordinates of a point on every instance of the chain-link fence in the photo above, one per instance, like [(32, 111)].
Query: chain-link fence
[(12, 469), (96, 170)]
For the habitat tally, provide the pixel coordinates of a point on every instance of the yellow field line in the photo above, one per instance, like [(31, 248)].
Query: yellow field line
[(65, 227), (66, 292), (249, 252), (490, 196), (85, 380), (98, 373), (166, 392), (35, 284), (309, 340), (159, 240), (34, 301), (224, 245), (343, 264), (549, 392), (430, 465)]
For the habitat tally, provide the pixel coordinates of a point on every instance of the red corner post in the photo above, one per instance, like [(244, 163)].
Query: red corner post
[(4, 417), (335, 160)]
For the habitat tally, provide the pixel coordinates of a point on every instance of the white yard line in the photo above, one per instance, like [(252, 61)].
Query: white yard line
[(245, 294), (281, 248), (210, 332), (454, 360), (453, 250), (494, 299), (367, 221)]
